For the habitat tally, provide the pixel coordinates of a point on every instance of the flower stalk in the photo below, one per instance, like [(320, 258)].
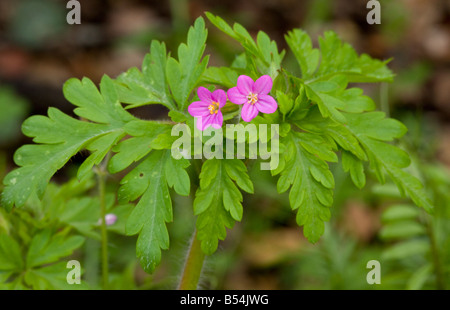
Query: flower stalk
[(104, 232), (193, 266), (101, 179)]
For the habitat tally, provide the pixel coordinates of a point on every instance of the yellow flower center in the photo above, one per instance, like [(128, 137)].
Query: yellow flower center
[(252, 98), (213, 107)]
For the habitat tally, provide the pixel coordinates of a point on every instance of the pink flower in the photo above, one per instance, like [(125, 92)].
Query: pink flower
[(254, 96), (207, 110), (110, 219)]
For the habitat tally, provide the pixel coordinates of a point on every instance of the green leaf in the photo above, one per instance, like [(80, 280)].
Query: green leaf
[(411, 186), (336, 58), (222, 25), (58, 137), (340, 58), (355, 101), (177, 176), (419, 277), (402, 230), (53, 277), (99, 148), (163, 78), (150, 180), (178, 117), (218, 200), (269, 50), (125, 280), (224, 76), (307, 56), (56, 198), (143, 133), (262, 54), (4, 276), (328, 105), (237, 171), (400, 212), (375, 125), (331, 100), (356, 168), (100, 107), (150, 86), (183, 75), (315, 123), (317, 146), (310, 179), (10, 254), (371, 129), (372, 70), (407, 249), (82, 214), (45, 248), (285, 103)]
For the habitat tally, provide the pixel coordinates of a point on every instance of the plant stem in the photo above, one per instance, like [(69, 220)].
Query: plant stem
[(101, 172), (436, 260), (193, 267), (104, 232)]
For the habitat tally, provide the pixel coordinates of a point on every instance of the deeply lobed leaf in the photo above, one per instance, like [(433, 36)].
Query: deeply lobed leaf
[(150, 181), (59, 137), (307, 174), (218, 201)]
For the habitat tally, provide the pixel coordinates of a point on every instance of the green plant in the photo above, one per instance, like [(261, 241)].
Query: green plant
[(320, 117)]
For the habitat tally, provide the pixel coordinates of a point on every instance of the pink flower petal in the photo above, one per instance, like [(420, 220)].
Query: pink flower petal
[(204, 121), (219, 96), (235, 96), (249, 112), (263, 85), (214, 120), (198, 108), (200, 123), (209, 120), (217, 121), (110, 219), (266, 104), (245, 84), (204, 94)]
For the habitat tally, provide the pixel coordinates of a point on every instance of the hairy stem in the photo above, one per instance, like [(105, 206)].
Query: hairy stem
[(101, 172), (193, 266), (104, 232)]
